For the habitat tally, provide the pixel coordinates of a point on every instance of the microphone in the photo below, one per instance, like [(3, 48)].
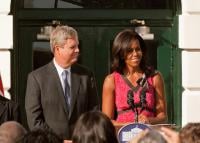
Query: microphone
[(130, 101), (142, 81)]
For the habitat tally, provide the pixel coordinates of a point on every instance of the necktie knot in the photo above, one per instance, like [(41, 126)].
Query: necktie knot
[(65, 74)]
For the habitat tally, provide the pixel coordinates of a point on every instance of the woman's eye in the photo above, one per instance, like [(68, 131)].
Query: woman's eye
[(135, 50), (130, 50)]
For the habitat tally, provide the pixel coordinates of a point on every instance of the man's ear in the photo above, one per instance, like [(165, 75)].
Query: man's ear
[(56, 47)]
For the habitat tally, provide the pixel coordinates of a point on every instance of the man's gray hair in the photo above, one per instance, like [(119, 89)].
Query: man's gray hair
[(61, 33)]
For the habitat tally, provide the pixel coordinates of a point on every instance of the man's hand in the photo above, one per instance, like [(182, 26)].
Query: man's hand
[(170, 135)]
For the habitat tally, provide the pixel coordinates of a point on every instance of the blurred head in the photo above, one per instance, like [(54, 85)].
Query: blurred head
[(11, 131), (94, 127), (128, 50), (190, 133), (152, 136), (64, 45), (41, 136)]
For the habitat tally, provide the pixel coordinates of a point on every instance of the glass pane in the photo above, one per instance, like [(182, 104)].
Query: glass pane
[(97, 4), (41, 53)]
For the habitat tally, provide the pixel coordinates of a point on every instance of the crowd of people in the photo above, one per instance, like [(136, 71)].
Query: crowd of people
[(62, 104), (96, 127)]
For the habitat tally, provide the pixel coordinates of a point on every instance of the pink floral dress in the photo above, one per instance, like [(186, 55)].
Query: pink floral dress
[(143, 98)]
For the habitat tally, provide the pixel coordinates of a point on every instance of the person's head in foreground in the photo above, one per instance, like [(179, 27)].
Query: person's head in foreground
[(41, 136), (94, 127), (152, 136), (190, 133), (11, 131)]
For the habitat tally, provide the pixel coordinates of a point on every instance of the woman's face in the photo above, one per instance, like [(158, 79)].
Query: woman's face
[(134, 54)]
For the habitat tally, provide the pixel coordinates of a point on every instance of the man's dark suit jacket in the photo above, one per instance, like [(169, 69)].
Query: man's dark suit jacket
[(45, 103), (9, 110)]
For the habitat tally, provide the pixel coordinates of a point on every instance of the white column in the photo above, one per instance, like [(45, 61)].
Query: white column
[(6, 43), (5, 71), (189, 41)]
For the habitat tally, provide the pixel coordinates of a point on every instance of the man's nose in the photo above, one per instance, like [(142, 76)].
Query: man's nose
[(77, 49)]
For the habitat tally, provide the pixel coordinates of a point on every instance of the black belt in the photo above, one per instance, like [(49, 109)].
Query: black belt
[(136, 106)]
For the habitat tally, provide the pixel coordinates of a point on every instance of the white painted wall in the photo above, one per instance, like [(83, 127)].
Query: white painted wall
[(6, 43), (5, 7), (6, 31), (189, 41)]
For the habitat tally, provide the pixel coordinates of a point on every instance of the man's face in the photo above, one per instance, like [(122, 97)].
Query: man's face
[(68, 53)]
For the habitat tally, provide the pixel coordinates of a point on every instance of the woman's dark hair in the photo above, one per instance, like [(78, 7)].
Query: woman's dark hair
[(121, 46), (94, 127), (40, 136)]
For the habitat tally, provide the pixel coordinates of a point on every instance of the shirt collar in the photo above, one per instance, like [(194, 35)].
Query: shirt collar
[(59, 68)]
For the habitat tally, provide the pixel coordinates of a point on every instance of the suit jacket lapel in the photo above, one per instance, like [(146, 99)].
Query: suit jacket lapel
[(2, 112), (59, 87), (75, 84)]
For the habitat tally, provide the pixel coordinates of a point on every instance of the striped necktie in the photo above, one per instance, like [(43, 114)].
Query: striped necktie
[(66, 88)]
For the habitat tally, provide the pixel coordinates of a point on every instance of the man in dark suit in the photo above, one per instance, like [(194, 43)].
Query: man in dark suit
[(55, 100), (9, 110)]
